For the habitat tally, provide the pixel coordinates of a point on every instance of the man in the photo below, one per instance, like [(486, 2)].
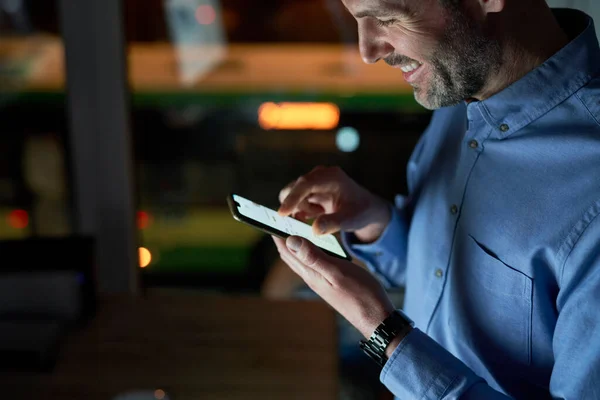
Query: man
[(498, 242)]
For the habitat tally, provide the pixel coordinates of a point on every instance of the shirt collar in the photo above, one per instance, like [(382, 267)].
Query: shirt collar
[(548, 85)]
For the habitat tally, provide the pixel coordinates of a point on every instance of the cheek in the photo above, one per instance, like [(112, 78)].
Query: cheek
[(416, 45)]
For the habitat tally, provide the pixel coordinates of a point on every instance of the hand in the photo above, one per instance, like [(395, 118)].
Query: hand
[(337, 203), (349, 289)]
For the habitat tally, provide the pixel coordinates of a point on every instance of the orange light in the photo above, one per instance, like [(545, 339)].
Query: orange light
[(143, 219), (18, 219), (159, 394), (298, 116), (205, 14), (145, 257)]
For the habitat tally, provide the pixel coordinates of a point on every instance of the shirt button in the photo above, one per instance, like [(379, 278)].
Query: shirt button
[(473, 144), (504, 127), (439, 273), (454, 209)]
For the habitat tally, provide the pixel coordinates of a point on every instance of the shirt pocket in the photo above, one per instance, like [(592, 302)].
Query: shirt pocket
[(493, 306)]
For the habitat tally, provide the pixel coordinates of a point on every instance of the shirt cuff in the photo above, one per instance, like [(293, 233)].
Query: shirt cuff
[(420, 368)]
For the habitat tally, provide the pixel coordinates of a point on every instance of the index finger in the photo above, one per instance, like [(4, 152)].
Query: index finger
[(304, 187), (284, 192)]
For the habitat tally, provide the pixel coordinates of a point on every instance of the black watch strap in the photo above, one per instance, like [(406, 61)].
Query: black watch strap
[(397, 323)]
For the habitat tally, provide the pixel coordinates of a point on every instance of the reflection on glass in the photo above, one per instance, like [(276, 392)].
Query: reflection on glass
[(196, 31)]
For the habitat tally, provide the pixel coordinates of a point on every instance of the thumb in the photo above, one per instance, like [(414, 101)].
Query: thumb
[(309, 255)]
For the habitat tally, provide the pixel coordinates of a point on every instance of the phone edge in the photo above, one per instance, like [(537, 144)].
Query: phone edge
[(272, 231)]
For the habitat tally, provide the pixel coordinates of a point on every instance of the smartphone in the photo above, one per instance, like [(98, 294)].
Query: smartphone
[(268, 221)]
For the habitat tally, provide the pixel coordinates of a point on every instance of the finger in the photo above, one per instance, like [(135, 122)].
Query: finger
[(331, 223), (295, 196), (300, 216), (306, 211), (311, 277), (312, 257), (307, 274), (297, 267), (318, 182), (279, 243), (303, 217), (322, 199), (309, 209), (286, 190)]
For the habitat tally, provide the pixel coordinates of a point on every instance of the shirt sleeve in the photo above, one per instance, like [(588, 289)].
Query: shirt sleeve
[(386, 257), (576, 343), (420, 368)]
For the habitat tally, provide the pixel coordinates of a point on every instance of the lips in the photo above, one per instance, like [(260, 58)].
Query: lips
[(410, 69), (411, 76)]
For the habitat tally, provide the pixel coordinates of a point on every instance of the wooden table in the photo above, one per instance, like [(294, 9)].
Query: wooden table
[(194, 347)]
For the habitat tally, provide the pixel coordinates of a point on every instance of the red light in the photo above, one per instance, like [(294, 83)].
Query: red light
[(18, 219), (206, 15), (143, 219)]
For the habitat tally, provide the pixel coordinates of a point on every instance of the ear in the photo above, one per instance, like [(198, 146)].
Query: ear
[(492, 6)]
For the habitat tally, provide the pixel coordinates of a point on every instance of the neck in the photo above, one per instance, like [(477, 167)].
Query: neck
[(533, 36)]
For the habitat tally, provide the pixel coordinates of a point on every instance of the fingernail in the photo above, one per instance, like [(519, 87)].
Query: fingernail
[(293, 243), (323, 226)]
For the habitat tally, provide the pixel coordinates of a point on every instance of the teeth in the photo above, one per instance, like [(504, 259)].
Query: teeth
[(410, 67)]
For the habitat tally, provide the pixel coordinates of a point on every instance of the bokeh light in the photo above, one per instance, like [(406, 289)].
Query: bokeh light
[(145, 257), (206, 14), (18, 219), (159, 394), (347, 139), (143, 219), (298, 116)]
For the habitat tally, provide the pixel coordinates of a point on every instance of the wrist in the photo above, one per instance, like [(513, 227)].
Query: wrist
[(375, 319), (397, 339), (387, 337), (396, 342), (380, 218)]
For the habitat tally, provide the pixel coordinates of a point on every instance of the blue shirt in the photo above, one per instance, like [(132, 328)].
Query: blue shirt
[(498, 242)]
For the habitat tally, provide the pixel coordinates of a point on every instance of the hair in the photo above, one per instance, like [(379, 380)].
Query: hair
[(452, 4)]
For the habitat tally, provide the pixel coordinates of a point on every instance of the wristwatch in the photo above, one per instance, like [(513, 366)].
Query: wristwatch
[(397, 323)]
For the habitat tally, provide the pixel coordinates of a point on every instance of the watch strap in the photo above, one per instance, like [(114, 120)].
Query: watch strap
[(395, 324)]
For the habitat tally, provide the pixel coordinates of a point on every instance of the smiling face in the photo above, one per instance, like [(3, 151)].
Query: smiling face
[(443, 53)]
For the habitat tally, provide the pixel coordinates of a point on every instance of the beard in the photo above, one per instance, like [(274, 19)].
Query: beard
[(461, 63)]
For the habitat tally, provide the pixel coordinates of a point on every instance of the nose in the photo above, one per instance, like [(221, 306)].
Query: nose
[(372, 45)]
